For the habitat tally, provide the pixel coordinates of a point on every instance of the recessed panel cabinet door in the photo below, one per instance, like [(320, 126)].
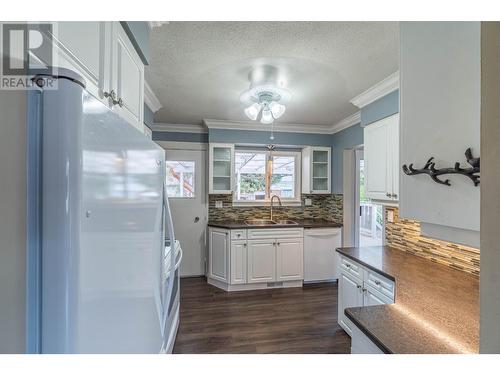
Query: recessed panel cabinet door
[(378, 176), (289, 260), (85, 48), (350, 295), (218, 255), (261, 261), (238, 262), (127, 78)]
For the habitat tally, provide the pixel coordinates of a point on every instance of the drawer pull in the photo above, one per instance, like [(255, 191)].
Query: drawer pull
[(377, 282), (348, 265)]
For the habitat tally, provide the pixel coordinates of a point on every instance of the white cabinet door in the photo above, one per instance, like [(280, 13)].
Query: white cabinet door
[(127, 78), (218, 267), (377, 175), (85, 47), (290, 259), (238, 262), (261, 261), (316, 170), (372, 298), (394, 167), (349, 295), (381, 158), (221, 168)]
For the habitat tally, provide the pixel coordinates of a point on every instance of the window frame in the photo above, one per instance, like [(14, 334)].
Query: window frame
[(296, 201), (194, 177)]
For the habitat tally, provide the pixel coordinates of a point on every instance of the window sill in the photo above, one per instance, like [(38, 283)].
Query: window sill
[(290, 203)]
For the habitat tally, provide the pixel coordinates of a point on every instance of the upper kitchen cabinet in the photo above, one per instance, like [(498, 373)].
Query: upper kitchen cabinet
[(440, 93), (316, 170), (103, 54), (381, 157), (220, 168), (127, 77), (83, 47)]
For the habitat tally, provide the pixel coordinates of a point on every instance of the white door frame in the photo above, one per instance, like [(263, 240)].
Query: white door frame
[(359, 154), (193, 146)]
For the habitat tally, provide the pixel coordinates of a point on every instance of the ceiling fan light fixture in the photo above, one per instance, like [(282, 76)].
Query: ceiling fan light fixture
[(253, 111), (277, 109), (267, 117)]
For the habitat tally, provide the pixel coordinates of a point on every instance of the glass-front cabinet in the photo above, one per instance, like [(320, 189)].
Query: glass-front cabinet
[(221, 165), (316, 170)]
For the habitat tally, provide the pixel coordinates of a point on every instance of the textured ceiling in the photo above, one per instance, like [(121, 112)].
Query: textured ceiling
[(199, 69)]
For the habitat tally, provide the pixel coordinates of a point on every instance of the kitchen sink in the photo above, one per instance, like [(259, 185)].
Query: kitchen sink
[(260, 222), (266, 222), (285, 222)]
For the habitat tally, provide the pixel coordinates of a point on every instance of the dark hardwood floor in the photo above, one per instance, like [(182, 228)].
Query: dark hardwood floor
[(291, 320)]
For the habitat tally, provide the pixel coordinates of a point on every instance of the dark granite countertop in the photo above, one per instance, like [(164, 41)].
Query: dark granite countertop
[(436, 308), (306, 224)]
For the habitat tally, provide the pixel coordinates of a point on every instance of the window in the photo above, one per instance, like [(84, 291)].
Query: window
[(180, 179), (259, 176)]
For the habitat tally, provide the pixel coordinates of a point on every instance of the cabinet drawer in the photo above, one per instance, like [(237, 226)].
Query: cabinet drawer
[(264, 233), (351, 268), (239, 234), (380, 283)]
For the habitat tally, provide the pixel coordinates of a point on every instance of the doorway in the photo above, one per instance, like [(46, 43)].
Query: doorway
[(188, 203), (369, 221)]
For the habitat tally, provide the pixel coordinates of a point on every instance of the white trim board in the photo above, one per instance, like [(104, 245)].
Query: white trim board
[(377, 91), (179, 128), (175, 145), (150, 98)]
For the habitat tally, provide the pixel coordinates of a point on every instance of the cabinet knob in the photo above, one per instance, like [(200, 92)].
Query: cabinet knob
[(244, 245), (388, 195), (364, 290), (348, 265), (279, 244), (377, 282), (119, 102), (359, 286), (111, 95), (394, 195)]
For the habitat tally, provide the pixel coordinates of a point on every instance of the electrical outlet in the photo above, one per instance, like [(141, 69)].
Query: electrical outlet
[(218, 204), (308, 202)]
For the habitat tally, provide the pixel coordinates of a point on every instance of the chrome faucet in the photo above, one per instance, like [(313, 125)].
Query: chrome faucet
[(272, 199)]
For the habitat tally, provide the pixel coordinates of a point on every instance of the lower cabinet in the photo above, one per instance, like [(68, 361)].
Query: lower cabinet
[(249, 259), (238, 262), (349, 295), (359, 286), (261, 261), (218, 259), (290, 259)]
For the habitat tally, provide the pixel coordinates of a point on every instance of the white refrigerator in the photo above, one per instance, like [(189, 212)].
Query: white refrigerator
[(100, 278)]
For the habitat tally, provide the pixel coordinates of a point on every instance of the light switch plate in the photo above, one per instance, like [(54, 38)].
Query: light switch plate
[(308, 202), (218, 204), (390, 216)]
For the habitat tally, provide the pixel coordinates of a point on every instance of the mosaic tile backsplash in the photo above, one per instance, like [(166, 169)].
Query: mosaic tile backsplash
[(405, 235), (324, 207)]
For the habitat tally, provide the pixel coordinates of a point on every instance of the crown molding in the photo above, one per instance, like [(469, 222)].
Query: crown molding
[(179, 128), (257, 126), (346, 123), (150, 98), (377, 91)]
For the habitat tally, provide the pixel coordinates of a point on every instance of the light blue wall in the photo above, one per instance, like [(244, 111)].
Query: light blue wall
[(381, 108), (148, 116), (180, 137), (261, 137), (139, 32), (345, 139)]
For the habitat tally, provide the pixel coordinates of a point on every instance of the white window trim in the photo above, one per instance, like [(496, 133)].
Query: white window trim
[(195, 180), (285, 201)]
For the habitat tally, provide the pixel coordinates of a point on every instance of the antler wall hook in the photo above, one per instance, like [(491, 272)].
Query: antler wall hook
[(430, 169)]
